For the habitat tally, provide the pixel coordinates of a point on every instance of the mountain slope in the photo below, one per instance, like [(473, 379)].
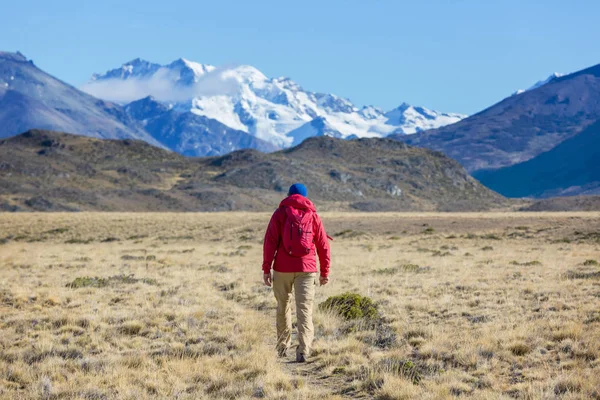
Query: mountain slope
[(571, 168), (519, 127), (190, 134), (30, 98), (243, 98), (43, 170)]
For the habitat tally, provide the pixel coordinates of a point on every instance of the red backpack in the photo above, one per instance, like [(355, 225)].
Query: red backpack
[(297, 233)]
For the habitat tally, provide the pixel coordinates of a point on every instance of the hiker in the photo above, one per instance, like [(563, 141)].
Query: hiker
[(294, 237)]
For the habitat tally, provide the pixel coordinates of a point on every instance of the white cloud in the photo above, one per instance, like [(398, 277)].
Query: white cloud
[(163, 85)]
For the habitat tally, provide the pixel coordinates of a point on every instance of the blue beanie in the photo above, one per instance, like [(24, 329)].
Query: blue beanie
[(298, 188)]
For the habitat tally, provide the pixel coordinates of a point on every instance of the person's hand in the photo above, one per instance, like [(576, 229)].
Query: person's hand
[(323, 280), (268, 279)]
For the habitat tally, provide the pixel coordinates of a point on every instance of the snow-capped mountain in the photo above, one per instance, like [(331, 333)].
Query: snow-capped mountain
[(276, 110), (541, 83)]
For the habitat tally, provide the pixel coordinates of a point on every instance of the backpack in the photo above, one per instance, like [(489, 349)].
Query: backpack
[(297, 233)]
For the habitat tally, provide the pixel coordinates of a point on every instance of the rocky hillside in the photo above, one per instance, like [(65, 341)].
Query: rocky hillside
[(49, 171)]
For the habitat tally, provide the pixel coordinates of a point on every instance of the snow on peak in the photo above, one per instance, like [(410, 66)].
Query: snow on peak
[(135, 68), (538, 84), (277, 110), (370, 112), (189, 72)]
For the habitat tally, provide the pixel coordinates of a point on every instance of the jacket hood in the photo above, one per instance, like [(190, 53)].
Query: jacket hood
[(298, 202)]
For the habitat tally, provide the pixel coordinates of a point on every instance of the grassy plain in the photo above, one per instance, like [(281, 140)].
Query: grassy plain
[(128, 306)]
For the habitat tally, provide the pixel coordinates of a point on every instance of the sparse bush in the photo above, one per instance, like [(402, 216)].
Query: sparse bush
[(519, 348), (491, 236), (487, 248), (55, 231), (526, 263), (79, 241), (403, 267), (588, 263), (97, 282), (348, 233), (137, 237), (567, 386), (429, 231), (128, 257), (110, 239), (404, 368), (386, 271), (131, 328), (583, 275), (411, 268), (351, 306), (87, 281)]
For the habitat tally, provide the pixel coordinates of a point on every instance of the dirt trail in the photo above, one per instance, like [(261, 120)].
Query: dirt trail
[(309, 373)]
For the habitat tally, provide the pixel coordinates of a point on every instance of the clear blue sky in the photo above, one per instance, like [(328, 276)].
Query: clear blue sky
[(452, 55)]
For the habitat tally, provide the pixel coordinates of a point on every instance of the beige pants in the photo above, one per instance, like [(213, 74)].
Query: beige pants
[(303, 284)]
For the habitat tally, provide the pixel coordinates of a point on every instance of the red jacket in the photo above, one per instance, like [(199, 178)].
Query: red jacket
[(273, 243)]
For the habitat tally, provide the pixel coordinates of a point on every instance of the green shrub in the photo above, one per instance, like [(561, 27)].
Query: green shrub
[(87, 281), (351, 306), (588, 263)]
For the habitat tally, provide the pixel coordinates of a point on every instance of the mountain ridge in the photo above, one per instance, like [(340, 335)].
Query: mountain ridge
[(50, 171), (519, 127), (243, 98), (29, 97)]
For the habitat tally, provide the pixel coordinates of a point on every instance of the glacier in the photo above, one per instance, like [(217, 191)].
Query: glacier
[(274, 110)]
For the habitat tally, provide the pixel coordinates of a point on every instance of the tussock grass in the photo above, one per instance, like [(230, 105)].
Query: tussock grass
[(175, 308)]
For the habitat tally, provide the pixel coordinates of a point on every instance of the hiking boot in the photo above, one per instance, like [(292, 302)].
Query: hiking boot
[(300, 358)]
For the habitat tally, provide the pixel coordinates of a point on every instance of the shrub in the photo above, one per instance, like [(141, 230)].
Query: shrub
[(491, 236), (526, 263), (519, 348), (348, 233), (79, 241), (404, 368), (351, 306), (590, 262), (87, 281)]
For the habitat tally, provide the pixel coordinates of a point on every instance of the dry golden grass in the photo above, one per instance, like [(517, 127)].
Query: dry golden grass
[(118, 306)]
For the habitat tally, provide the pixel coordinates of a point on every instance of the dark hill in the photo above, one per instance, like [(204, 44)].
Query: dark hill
[(42, 170), (572, 167), (519, 127)]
